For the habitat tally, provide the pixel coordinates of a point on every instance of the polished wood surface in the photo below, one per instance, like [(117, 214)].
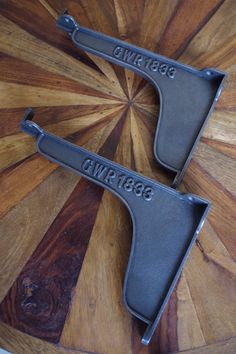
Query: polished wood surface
[(64, 242)]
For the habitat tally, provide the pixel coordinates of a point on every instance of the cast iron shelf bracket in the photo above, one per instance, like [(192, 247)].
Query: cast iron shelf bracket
[(187, 95), (165, 222)]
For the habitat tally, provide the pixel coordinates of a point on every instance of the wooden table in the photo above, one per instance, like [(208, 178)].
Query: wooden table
[(64, 242)]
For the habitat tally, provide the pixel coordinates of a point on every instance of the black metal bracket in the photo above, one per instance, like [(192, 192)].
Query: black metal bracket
[(165, 222), (187, 95)]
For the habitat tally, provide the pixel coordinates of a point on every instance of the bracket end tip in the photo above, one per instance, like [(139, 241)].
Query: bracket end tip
[(145, 341), (67, 22), (28, 126), (29, 114)]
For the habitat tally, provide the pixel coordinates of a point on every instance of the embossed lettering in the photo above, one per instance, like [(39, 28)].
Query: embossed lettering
[(99, 170), (148, 193), (110, 176), (171, 72), (155, 65), (87, 165), (118, 52), (128, 185), (128, 55), (150, 64), (138, 59), (138, 189), (121, 181), (163, 69)]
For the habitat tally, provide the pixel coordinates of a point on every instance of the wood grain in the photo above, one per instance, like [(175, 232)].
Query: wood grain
[(64, 243)]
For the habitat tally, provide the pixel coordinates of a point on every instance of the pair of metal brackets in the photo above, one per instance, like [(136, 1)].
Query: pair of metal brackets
[(166, 222)]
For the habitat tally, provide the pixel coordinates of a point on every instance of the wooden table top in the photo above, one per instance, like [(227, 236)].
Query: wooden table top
[(64, 242)]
